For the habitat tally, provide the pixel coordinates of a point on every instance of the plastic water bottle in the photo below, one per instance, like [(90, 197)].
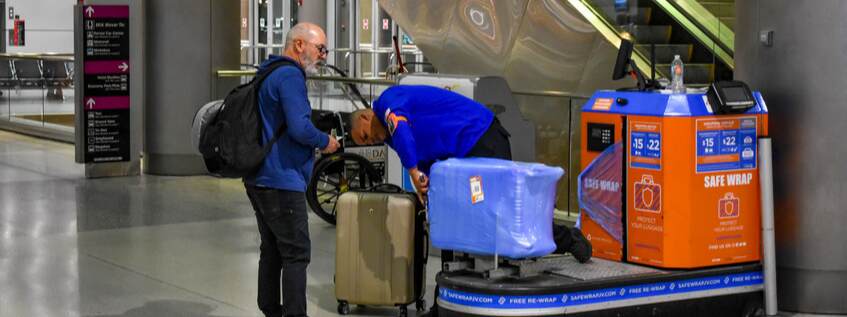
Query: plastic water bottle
[(677, 69)]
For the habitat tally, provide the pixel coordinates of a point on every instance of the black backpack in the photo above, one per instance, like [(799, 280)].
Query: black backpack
[(231, 142)]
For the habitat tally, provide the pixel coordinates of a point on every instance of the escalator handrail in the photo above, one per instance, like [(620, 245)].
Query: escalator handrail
[(707, 21), (679, 11)]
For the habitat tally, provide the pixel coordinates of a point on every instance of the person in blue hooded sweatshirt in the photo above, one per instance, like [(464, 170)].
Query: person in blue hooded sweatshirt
[(425, 124), (276, 191)]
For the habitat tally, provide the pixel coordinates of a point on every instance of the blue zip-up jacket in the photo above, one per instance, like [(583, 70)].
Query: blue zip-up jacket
[(426, 123), (283, 98)]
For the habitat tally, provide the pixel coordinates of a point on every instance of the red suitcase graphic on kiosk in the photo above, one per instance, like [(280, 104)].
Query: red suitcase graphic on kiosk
[(648, 195), (729, 206)]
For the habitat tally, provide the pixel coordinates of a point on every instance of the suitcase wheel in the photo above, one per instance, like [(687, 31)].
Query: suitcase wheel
[(404, 312), (420, 305), (343, 308)]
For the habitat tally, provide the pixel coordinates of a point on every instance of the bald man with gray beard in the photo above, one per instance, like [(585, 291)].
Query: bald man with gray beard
[(276, 191)]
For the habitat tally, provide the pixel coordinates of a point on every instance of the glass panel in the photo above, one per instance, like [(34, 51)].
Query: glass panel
[(262, 36), (383, 61), (59, 93), (278, 19), (551, 116), (384, 31), (364, 22), (27, 102), (7, 82), (366, 62), (245, 31), (575, 148), (38, 91), (342, 34), (295, 8), (245, 18)]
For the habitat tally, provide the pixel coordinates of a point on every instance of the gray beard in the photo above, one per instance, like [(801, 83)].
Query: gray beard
[(312, 70), (310, 66)]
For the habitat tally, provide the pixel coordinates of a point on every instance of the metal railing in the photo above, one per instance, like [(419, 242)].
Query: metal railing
[(68, 57), (388, 82), (548, 93), (358, 62), (339, 79)]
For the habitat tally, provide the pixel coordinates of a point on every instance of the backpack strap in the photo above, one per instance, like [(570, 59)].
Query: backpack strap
[(259, 79)]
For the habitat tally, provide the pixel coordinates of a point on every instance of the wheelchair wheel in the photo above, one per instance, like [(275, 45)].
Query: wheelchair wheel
[(334, 175)]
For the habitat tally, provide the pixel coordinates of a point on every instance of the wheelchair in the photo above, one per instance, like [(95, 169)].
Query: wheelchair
[(351, 168)]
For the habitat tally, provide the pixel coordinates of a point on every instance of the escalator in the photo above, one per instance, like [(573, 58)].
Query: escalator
[(676, 28)]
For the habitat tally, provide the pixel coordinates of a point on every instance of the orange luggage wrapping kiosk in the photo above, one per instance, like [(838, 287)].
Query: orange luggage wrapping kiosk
[(690, 196)]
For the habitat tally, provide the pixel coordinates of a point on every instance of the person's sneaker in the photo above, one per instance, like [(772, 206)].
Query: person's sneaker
[(580, 247)]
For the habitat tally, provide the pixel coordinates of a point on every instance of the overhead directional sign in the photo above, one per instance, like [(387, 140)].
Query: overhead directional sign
[(106, 78)]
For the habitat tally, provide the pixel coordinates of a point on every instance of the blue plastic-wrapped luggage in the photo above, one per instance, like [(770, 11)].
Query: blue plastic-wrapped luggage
[(489, 206)]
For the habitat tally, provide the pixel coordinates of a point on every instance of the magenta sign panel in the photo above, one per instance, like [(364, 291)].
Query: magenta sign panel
[(106, 71)]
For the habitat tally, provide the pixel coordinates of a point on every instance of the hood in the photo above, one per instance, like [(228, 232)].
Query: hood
[(275, 58)]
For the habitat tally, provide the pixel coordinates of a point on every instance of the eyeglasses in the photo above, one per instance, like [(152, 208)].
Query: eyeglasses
[(321, 49)]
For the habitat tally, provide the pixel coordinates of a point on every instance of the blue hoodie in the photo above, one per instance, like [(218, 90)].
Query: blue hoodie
[(426, 124), (283, 98)]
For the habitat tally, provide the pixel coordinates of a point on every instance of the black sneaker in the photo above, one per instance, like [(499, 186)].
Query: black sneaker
[(580, 247)]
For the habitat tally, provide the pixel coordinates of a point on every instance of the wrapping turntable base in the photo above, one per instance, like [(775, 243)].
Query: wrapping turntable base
[(602, 287)]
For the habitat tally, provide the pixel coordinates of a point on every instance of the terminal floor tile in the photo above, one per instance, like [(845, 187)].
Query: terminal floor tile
[(135, 246)]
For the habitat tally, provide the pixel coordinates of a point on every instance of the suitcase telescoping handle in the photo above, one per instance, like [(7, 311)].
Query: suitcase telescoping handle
[(392, 189), (386, 188)]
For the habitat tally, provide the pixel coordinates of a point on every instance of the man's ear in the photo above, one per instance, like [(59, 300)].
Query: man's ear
[(298, 45), (365, 116)]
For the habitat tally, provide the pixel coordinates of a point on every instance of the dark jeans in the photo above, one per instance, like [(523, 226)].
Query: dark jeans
[(284, 229), (494, 143)]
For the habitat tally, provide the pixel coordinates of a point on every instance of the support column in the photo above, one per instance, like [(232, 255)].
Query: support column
[(187, 41), (801, 76)]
